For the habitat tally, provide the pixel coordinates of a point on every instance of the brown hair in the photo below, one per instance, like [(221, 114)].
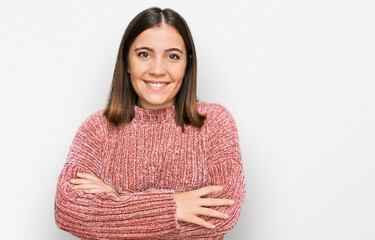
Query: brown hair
[(122, 97)]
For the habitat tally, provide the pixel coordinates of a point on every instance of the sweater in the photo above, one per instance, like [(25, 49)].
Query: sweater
[(146, 161)]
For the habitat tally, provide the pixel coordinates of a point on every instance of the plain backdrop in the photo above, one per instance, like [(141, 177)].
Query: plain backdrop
[(297, 75)]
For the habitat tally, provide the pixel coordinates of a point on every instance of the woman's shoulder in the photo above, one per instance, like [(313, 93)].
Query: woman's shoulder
[(218, 119), (213, 111), (96, 117), (96, 120)]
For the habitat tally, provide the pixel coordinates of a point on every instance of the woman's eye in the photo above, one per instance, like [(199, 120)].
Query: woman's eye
[(174, 57), (143, 54)]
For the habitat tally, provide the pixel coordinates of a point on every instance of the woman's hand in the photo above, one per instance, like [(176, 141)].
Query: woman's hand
[(190, 205), (91, 183)]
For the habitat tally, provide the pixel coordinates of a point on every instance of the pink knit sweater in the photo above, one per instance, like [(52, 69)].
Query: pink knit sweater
[(146, 161)]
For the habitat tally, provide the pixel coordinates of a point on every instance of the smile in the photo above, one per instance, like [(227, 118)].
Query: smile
[(156, 85)]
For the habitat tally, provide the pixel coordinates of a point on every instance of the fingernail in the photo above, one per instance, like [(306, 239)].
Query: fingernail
[(226, 216), (231, 202), (212, 226), (72, 180), (79, 174)]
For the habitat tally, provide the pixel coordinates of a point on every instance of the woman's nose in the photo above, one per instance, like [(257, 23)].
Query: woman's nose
[(157, 67)]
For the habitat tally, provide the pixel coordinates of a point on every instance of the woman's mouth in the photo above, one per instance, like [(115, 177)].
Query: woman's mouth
[(156, 85)]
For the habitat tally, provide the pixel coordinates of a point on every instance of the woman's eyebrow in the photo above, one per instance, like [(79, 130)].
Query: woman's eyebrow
[(174, 49), (144, 48)]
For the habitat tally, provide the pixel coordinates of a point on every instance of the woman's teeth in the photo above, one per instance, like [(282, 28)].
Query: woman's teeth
[(157, 85)]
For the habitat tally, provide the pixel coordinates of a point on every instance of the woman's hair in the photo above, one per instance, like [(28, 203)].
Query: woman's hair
[(122, 97)]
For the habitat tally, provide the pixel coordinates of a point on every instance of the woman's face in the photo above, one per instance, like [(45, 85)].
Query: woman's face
[(157, 62)]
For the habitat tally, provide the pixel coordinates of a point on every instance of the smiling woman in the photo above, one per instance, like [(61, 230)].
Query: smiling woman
[(155, 31), (157, 63), (155, 163)]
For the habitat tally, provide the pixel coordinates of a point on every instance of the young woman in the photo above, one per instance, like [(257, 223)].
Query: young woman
[(155, 163)]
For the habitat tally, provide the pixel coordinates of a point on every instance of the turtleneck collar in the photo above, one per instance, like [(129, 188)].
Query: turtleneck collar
[(155, 115)]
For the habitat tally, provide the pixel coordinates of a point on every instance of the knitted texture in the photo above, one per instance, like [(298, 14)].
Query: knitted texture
[(146, 161)]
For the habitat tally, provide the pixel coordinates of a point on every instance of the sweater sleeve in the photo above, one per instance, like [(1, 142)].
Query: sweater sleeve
[(224, 167), (121, 215)]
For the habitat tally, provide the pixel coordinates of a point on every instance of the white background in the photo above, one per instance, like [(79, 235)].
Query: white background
[(298, 76)]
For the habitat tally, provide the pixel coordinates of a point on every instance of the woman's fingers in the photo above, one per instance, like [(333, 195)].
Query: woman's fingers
[(201, 222), (91, 183), (81, 181), (207, 190), (211, 213), (87, 186), (85, 178), (94, 188), (213, 202), (192, 204), (88, 176)]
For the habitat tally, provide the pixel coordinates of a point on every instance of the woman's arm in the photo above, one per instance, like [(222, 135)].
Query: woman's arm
[(108, 215), (224, 168), (190, 205)]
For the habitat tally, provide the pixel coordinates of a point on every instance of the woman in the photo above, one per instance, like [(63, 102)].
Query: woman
[(155, 163)]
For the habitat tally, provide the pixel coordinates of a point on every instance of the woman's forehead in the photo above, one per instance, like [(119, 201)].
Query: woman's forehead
[(159, 38)]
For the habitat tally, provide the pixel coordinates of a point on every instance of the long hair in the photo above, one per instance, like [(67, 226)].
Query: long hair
[(122, 97)]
